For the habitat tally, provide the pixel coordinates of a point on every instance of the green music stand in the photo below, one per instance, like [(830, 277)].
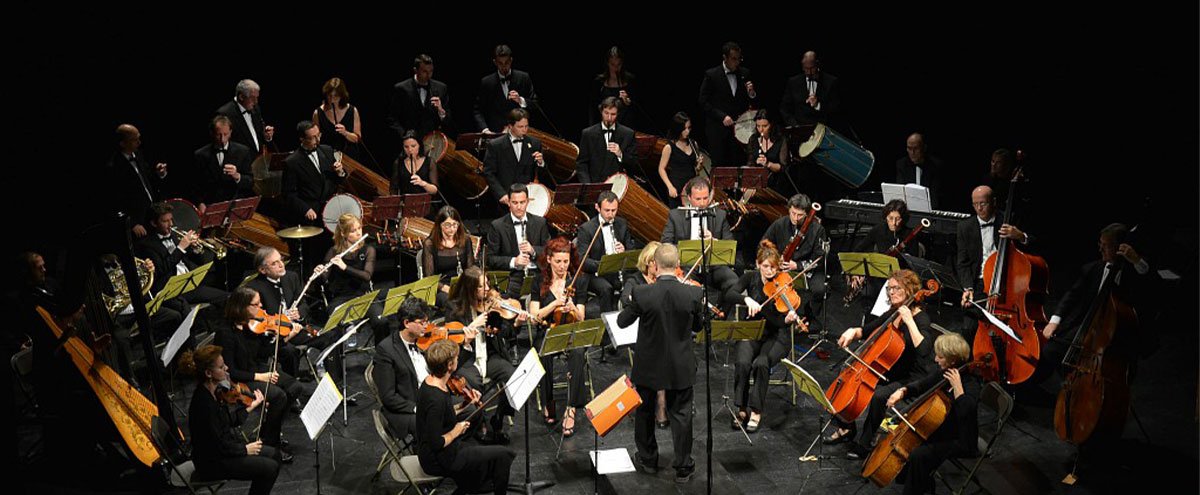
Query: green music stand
[(618, 263), (425, 289), (350, 311), (875, 265), (178, 285), (734, 330), (721, 252)]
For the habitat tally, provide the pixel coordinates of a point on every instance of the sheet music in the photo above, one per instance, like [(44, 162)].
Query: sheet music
[(892, 191), (881, 302), (324, 401), (179, 337), (524, 380), (351, 331), (996, 321), (620, 336), (807, 384), (917, 198), (612, 461)]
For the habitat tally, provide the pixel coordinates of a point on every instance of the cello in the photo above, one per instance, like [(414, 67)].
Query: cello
[(1016, 283), (852, 390)]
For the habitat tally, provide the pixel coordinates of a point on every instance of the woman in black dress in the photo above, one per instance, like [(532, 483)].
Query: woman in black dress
[(339, 122), (768, 149), (219, 451), (680, 158), (440, 450), (552, 304), (448, 251), (414, 172), (617, 83)]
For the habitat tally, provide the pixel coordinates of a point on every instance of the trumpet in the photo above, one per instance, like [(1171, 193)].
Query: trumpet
[(218, 250)]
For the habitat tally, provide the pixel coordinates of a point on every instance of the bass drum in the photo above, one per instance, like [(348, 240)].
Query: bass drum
[(459, 170), (743, 126), (840, 157), (360, 180), (185, 214), (258, 231), (341, 204), (560, 155), (565, 218), (414, 230), (647, 216)]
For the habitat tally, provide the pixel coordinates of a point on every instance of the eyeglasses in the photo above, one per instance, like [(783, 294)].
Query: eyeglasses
[(894, 288), (981, 203)]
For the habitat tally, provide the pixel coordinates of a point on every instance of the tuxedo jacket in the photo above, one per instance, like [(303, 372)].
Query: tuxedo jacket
[(306, 188), (968, 263), (125, 183), (395, 376), (668, 314), (679, 226), (591, 258), (408, 112), (717, 101), (492, 104), (240, 131), (595, 163), (795, 108), (152, 248), (501, 168), (289, 288), (781, 231), (208, 181), (502, 239)]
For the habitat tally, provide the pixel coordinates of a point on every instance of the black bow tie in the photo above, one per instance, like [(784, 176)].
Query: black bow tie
[(504, 79), (520, 222), (312, 151), (414, 348), (518, 140), (247, 111), (730, 73), (166, 238), (221, 150), (609, 131), (985, 225), (423, 86)]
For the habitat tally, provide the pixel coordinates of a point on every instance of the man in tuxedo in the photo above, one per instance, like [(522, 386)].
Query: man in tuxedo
[(420, 104), (919, 167), (614, 238), (516, 240), (400, 369), (222, 170), (133, 182), (812, 97), (512, 157), (784, 229), (311, 177), (977, 238), (502, 92), (668, 315), (702, 221), (243, 112), (605, 148), (725, 93), (170, 259)]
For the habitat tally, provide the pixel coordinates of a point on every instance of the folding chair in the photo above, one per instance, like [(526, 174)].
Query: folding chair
[(1000, 406), (181, 468), (406, 469)]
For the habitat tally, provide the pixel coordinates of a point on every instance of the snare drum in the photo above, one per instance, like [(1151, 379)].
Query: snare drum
[(341, 204), (743, 126), (458, 169), (647, 216), (840, 157), (186, 216)]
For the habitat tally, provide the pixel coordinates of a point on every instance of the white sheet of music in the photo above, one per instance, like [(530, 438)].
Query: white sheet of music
[(881, 302), (351, 331), (917, 197), (996, 321), (180, 336), (324, 401), (612, 461), (620, 336), (524, 380)]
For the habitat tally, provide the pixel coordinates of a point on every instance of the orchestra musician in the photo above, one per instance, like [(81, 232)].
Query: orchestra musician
[(448, 251), (512, 158), (725, 93), (502, 91), (222, 169), (244, 113), (605, 148), (557, 298), (420, 104), (340, 122), (399, 368), (679, 160), (614, 238), (135, 184), (516, 239)]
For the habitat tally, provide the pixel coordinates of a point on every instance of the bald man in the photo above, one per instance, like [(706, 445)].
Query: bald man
[(812, 96), (977, 238), (134, 184), (918, 167)]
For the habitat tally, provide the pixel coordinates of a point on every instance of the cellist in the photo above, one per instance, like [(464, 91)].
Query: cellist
[(956, 437), (916, 328)]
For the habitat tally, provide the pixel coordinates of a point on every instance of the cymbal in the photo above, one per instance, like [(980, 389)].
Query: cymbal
[(299, 232)]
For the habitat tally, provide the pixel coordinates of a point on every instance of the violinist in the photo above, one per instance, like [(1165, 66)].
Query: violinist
[(755, 358), (279, 289), (484, 351), (916, 328), (888, 236), (219, 450), (400, 368), (792, 228), (958, 436), (248, 353), (560, 300), (473, 468)]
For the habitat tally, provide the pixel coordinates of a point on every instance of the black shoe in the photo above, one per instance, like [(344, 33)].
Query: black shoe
[(351, 401), (296, 407), (644, 466), (283, 443), (286, 457), (684, 475), (494, 438), (662, 425), (830, 440), (855, 452)]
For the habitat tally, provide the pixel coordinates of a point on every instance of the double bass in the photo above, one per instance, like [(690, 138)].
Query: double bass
[(1016, 283)]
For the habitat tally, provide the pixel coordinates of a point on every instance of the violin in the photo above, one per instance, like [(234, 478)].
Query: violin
[(781, 289), (235, 393), (505, 307), (459, 386), (453, 331), (262, 323), (720, 315)]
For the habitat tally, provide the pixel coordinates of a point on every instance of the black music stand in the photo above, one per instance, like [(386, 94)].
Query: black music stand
[(242, 209), (215, 214), (739, 178), (475, 141)]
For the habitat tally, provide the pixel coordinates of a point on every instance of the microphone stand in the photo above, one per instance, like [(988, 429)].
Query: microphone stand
[(706, 327)]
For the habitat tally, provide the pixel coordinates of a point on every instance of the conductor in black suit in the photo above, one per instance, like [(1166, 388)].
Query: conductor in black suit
[(420, 104), (690, 224), (668, 314), (243, 112), (725, 93), (222, 170), (516, 240), (512, 158), (812, 97), (501, 92), (919, 167), (614, 238), (311, 177), (133, 182), (605, 148), (400, 368)]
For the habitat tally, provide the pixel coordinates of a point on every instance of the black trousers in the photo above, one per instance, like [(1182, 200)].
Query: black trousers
[(261, 470), (499, 370), (917, 475), (474, 467), (401, 425), (278, 404), (679, 409), (755, 358), (576, 376), (603, 288)]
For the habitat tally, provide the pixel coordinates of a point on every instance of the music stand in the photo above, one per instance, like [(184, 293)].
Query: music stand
[(812, 388), (739, 178), (214, 214), (178, 285), (875, 265), (731, 331), (350, 311), (618, 263), (243, 209), (425, 289), (605, 412), (387, 208), (562, 338), (721, 252)]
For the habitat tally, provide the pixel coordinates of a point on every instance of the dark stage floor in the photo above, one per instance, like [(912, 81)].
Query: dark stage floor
[(1029, 457)]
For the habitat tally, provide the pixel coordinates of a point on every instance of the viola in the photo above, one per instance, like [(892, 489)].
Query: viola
[(263, 323), (236, 393), (459, 386), (783, 292)]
